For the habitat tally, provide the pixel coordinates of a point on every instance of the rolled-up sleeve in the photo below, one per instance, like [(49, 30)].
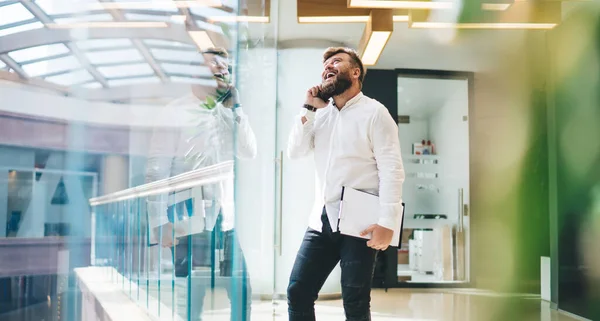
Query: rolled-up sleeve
[(302, 138), (386, 147)]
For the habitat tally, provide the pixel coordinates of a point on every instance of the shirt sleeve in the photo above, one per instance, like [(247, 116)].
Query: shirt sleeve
[(302, 138), (246, 140), (386, 147)]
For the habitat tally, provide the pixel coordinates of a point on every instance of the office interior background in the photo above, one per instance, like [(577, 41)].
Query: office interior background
[(497, 107)]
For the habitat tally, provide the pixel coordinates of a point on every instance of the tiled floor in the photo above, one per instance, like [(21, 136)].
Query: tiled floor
[(412, 305)]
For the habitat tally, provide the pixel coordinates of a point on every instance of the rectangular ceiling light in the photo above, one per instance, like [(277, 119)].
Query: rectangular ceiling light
[(400, 4), (156, 4), (257, 19), (345, 19), (201, 39), (482, 25), (108, 25), (377, 33)]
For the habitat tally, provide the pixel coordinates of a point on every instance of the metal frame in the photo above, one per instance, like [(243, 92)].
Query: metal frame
[(444, 74)]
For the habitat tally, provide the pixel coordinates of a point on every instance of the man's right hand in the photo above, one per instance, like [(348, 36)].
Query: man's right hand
[(313, 100), (167, 239)]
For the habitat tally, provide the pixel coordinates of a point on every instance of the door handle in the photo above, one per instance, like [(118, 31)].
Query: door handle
[(279, 219), (461, 209)]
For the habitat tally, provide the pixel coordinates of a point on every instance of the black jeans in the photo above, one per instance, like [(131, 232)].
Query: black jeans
[(318, 255)]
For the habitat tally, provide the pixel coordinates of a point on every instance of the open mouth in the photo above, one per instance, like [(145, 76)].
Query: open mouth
[(329, 75)]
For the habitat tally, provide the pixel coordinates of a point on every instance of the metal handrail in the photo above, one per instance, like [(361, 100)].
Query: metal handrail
[(206, 175)]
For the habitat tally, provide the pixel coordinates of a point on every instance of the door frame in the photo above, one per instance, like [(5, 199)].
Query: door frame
[(392, 254)]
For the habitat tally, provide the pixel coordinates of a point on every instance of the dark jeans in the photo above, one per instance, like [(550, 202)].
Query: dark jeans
[(318, 255)]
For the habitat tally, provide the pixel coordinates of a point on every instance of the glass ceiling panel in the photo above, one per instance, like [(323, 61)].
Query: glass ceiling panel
[(152, 17), (54, 7), (26, 27), (51, 66), (177, 55), (38, 52), (133, 81), (126, 70), (71, 78), (2, 64), (114, 56), (92, 85), (191, 70), (85, 18), (167, 43), (103, 43), (198, 81), (14, 13)]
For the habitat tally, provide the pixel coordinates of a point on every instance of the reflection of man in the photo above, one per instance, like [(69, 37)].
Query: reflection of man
[(219, 125), (355, 143)]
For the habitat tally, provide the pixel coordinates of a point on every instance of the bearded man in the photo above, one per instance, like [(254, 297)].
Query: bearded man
[(355, 144)]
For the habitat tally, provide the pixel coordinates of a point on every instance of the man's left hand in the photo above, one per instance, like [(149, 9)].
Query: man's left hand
[(381, 237)]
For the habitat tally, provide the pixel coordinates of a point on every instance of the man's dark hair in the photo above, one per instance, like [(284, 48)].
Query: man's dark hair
[(354, 59), (218, 51)]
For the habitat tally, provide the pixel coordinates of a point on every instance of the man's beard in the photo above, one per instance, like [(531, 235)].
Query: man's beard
[(335, 88)]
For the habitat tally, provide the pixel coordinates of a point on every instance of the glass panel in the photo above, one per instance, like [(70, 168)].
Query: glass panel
[(38, 52), (435, 144), (25, 27), (126, 70), (208, 12), (14, 13), (114, 56), (55, 7), (103, 43), (176, 55), (2, 64), (151, 17), (71, 78), (166, 43), (192, 70), (92, 85), (84, 18), (161, 6), (133, 81), (51, 66)]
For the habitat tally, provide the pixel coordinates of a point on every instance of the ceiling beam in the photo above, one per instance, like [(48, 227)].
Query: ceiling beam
[(8, 61), (36, 82), (43, 36), (337, 11), (45, 19)]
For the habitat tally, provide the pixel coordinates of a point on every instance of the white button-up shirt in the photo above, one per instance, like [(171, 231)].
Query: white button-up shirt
[(356, 147)]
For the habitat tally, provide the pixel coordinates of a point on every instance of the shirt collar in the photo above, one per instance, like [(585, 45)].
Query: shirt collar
[(350, 102)]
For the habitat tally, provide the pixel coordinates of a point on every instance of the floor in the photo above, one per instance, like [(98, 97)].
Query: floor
[(411, 305)]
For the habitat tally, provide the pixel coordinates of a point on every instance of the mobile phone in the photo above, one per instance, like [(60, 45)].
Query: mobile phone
[(325, 97)]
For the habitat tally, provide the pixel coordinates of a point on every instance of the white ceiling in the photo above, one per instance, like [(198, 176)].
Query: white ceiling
[(471, 50), (419, 98)]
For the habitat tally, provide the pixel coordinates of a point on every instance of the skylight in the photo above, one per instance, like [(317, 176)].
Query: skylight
[(55, 7), (14, 13), (114, 56), (133, 81), (84, 18), (71, 78), (168, 43), (126, 70), (38, 52), (21, 28), (51, 66), (103, 43)]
